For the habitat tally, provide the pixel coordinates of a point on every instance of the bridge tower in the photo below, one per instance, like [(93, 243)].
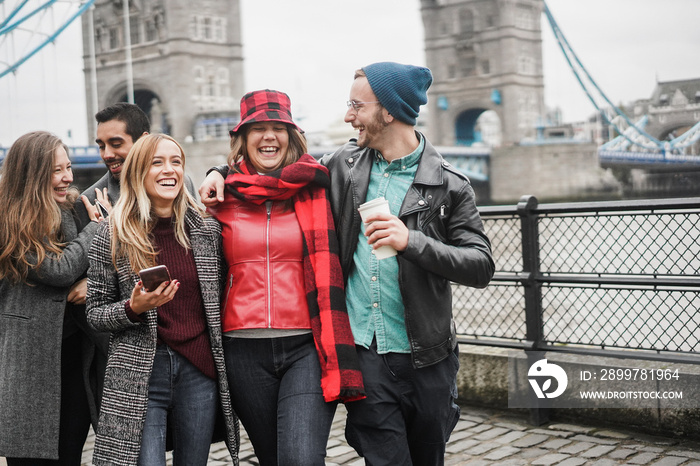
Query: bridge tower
[(485, 55), (186, 58)]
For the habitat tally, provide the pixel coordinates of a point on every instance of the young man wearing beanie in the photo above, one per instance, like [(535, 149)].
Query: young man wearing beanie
[(400, 307)]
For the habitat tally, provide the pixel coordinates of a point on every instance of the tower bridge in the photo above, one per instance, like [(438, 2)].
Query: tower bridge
[(486, 56)]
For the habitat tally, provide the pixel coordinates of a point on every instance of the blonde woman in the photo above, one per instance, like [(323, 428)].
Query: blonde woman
[(43, 405), (165, 365)]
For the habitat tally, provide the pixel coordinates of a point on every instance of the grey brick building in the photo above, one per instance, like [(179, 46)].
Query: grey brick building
[(485, 55), (186, 58)]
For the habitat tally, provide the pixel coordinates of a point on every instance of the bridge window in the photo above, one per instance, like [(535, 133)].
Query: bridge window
[(135, 30), (210, 87), (208, 28), (99, 39), (663, 99), (466, 22), (211, 90), (113, 38), (151, 31), (193, 28), (524, 18), (206, 25), (219, 30), (697, 97)]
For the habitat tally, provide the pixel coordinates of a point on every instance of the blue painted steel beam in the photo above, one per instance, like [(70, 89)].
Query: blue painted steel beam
[(13, 26), (13, 13), (49, 40)]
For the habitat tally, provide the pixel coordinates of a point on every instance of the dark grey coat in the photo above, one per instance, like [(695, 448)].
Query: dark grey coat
[(31, 330), (132, 345)]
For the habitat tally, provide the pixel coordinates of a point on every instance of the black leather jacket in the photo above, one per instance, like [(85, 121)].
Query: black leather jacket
[(446, 241)]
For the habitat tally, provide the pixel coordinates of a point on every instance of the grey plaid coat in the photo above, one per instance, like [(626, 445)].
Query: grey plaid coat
[(132, 345)]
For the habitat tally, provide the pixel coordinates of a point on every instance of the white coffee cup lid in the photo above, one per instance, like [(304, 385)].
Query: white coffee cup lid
[(373, 203)]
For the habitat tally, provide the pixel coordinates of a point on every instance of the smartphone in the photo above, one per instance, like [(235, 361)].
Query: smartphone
[(102, 209), (152, 277)]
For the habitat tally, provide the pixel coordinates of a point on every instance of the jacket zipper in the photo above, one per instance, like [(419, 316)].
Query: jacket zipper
[(268, 205), (441, 212), (230, 285)]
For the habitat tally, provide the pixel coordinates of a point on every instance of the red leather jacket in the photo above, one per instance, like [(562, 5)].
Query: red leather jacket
[(263, 249)]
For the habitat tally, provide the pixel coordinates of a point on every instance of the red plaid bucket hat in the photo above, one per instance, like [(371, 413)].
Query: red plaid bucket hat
[(265, 105)]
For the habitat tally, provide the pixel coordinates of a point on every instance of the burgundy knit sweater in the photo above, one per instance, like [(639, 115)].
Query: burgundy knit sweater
[(182, 323)]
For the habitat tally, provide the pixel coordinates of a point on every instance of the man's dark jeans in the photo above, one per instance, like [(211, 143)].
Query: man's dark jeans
[(408, 414)]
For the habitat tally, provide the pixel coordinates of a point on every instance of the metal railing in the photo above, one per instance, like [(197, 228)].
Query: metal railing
[(601, 278)]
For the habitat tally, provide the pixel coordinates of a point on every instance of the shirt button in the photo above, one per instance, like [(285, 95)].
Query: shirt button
[(421, 202), (386, 175), (374, 279), (403, 167), (350, 160), (375, 305)]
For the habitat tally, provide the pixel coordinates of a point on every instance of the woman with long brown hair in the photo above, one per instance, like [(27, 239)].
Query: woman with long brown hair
[(44, 411)]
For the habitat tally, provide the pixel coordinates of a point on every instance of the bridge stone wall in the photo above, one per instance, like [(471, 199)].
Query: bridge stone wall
[(484, 375), (552, 172)]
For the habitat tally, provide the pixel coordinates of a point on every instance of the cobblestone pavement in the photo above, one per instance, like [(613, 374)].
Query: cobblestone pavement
[(495, 437)]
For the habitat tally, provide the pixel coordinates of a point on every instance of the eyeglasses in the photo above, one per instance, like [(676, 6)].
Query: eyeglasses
[(358, 105)]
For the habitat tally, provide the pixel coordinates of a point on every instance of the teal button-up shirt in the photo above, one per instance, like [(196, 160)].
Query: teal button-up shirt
[(374, 299)]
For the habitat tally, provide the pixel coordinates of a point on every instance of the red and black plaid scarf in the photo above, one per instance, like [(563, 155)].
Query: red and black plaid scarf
[(305, 182)]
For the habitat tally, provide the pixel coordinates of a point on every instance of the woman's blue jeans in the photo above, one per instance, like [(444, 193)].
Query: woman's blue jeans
[(275, 388), (182, 398)]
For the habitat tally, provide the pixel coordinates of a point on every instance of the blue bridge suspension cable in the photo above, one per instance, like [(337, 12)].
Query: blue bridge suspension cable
[(52, 37), (569, 54)]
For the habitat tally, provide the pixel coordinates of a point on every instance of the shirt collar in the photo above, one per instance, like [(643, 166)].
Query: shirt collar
[(407, 161)]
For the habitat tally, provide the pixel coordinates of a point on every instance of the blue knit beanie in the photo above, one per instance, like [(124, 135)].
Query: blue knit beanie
[(401, 89)]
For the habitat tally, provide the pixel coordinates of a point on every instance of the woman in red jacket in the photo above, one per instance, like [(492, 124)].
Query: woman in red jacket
[(290, 354)]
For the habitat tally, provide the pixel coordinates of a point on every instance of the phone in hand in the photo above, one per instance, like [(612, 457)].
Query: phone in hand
[(152, 277), (102, 209)]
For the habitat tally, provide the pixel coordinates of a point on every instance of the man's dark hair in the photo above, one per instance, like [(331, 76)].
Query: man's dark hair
[(134, 118)]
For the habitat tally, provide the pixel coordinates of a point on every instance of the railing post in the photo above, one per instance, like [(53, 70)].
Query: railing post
[(531, 270), (532, 289)]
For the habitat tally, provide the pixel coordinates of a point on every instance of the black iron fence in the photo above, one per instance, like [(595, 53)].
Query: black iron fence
[(605, 278)]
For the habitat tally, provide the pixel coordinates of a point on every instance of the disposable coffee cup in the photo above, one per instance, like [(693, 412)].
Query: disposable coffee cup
[(380, 205)]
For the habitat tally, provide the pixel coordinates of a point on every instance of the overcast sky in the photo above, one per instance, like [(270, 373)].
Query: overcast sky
[(310, 49)]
